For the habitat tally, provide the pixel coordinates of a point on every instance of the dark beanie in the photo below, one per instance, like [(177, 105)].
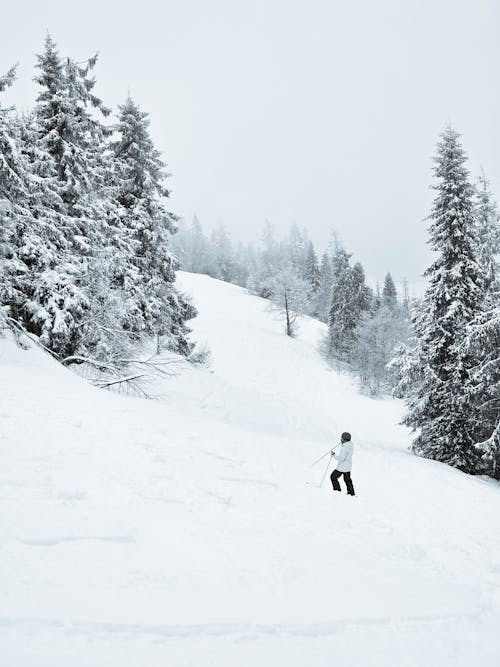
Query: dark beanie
[(345, 437)]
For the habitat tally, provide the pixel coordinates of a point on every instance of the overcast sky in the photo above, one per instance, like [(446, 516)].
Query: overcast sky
[(319, 112)]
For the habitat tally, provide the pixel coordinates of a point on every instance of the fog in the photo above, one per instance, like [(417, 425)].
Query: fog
[(319, 113)]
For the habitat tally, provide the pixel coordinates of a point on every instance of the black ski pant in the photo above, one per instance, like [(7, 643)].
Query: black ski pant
[(347, 479)]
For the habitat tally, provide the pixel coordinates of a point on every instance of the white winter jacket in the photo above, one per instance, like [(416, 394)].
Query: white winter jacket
[(344, 458)]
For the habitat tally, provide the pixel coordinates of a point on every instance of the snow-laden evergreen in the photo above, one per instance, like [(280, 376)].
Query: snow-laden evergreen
[(483, 336), (29, 233), (483, 343), (311, 269), (323, 295), (389, 293), (441, 408), (488, 226), (350, 298), (85, 238), (157, 306)]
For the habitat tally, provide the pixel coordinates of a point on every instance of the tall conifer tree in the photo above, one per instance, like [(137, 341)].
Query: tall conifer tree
[(441, 409), (144, 215)]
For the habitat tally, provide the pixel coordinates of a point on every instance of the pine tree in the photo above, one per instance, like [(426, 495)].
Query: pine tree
[(324, 292), (377, 298), (163, 309), (70, 155), (297, 245), (12, 190), (35, 239), (441, 408), (29, 235), (311, 272), (488, 224), (389, 294), (483, 343), (362, 295), (342, 319)]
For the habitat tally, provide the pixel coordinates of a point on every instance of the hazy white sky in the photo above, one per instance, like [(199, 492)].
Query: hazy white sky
[(323, 113)]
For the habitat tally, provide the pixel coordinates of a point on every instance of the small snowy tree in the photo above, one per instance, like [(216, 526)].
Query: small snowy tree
[(289, 292)]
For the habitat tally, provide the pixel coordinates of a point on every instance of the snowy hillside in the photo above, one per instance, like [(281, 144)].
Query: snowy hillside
[(191, 530)]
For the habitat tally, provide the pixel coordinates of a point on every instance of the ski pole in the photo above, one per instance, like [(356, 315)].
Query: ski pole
[(327, 466), (328, 452)]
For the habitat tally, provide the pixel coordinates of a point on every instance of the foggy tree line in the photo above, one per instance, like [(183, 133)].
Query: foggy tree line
[(449, 374), (85, 259), (364, 325)]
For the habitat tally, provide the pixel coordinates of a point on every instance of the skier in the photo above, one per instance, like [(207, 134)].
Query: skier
[(344, 465)]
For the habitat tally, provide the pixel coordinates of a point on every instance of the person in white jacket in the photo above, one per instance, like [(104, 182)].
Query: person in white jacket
[(344, 465)]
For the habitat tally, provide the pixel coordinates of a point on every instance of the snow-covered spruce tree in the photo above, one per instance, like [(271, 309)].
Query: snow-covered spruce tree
[(323, 295), (312, 274), (290, 294), (407, 370), (441, 409), (483, 343), (350, 298), (12, 191), (72, 140), (28, 229), (483, 337), (377, 298), (362, 294), (164, 310), (341, 323), (36, 239), (488, 226), (296, 248), (389, 293)]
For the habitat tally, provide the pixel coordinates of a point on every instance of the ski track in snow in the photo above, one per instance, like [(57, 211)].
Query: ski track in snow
[(191, 530)]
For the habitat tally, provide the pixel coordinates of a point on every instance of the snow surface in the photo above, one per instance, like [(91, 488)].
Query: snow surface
[(191, 530)]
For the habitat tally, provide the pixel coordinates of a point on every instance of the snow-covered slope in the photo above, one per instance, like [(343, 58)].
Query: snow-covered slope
[(191, 530)]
